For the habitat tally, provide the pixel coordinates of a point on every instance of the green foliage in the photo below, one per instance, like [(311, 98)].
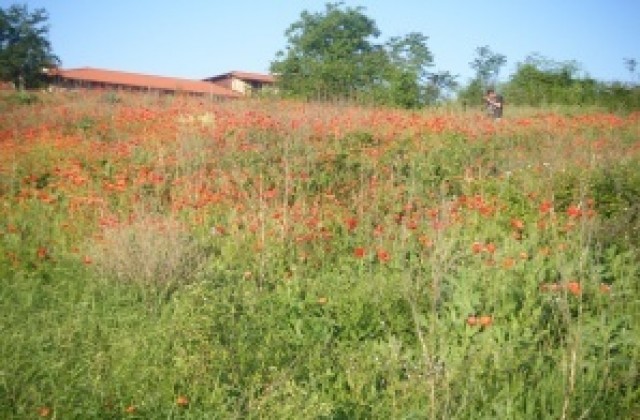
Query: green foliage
[(271, 313), (487, 65), (22, 98), (617, 199), (540, 81), (25, 49), (331, 55)]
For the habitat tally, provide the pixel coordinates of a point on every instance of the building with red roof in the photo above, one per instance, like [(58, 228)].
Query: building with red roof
[(242, 82), (92, 78)]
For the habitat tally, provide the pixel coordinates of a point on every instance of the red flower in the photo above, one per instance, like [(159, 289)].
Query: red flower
[(359, 252), (42, 253), (351, 223), (574, 288), (574, 211), (546, 207), (383, 256), (44, 411), (485, 320), (517, 224), (182, 401)]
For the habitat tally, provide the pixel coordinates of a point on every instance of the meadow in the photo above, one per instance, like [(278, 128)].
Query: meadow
[(170, 257)]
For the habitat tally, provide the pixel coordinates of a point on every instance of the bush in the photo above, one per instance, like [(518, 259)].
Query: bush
[(152, 251)]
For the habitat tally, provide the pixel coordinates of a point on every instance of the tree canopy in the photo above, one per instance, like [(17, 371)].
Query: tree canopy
[(333, 54), (24, 46)]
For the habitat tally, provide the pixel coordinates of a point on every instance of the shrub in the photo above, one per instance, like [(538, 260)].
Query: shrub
[(151, 251)]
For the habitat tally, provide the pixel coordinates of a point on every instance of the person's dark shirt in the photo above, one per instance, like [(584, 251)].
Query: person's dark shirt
[(497, 110)]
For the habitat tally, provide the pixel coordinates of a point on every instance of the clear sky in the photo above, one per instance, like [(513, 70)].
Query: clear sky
[(200, 38)]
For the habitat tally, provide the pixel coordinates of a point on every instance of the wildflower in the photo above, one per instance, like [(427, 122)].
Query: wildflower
[(485, 320), (359, 252), (322, 300), (44, 411), (130, 409), (574, 211), (383, 256), (605, 288), (425, 241), (517, 224), (574, 288), (351, 223), (42, 253), (508, 263), (546, 207), (182, 401), (477, 247), (472, 320)]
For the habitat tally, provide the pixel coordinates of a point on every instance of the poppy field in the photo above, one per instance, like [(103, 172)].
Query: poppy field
[(175, 257)]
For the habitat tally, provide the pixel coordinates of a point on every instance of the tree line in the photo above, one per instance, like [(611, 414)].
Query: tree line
[(334, 54)]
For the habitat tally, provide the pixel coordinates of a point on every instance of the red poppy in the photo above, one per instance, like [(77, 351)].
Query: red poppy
[(359, 252), (351, 223), (182, 401), (574, 211), (44, 411), (517, 224), (574, 288), (485, 320), (546, 207), (42, 253), (383, 256)]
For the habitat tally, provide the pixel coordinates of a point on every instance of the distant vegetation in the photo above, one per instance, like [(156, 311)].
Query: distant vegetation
[(331, 55), (25, 49)]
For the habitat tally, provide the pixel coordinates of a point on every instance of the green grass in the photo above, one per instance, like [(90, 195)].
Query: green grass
[(275, 315)]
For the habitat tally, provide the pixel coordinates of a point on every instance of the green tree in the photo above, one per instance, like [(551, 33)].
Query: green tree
[(24, 46), (440, 84), (487, 65), (540, 81), (409, 61), (330, 54), (631, 64)]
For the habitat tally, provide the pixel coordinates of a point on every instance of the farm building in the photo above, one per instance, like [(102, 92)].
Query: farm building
[(92, 78), (243, 82)]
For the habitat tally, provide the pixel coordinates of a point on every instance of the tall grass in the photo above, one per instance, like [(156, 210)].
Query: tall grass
[(260, 259)]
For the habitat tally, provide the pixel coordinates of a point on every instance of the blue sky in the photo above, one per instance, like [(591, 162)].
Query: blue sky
[(200, 38)]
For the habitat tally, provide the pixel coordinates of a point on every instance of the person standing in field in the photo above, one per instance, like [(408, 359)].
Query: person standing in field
[(494, 103)]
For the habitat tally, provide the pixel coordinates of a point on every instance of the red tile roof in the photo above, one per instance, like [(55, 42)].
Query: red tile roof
[(243, 75), (144, 81)]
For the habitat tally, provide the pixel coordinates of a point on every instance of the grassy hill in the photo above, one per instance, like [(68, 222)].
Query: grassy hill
[(168, 257)]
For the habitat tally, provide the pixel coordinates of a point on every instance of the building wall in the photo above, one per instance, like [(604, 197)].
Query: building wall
[(240, 86)]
